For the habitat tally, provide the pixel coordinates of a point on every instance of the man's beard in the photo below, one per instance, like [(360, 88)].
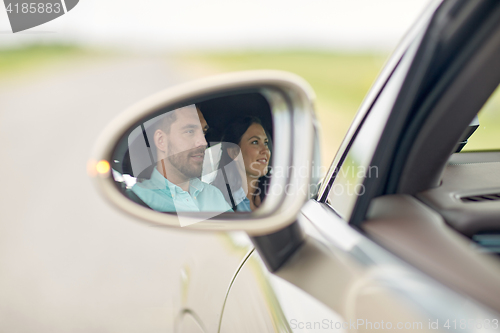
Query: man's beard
[(182, 162)]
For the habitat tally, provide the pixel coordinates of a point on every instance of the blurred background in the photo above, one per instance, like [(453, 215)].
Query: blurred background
[(68, 261), (338, 46)]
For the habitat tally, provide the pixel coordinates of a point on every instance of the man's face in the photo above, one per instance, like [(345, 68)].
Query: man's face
[(186, 142)]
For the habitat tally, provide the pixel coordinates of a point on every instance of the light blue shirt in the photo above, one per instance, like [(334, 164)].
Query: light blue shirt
[(241, 200), (163, 196)]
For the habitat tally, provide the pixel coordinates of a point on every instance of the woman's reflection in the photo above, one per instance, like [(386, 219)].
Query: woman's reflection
[(244, 173)]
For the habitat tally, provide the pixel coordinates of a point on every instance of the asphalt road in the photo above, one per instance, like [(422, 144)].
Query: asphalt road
[(69, 262)]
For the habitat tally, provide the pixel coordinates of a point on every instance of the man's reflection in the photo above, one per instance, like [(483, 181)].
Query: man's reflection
[(174, 185)]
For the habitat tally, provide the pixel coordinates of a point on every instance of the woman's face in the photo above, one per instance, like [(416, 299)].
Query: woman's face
[(255, 151)]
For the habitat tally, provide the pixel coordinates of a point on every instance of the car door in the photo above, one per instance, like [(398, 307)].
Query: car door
[(338, 278)]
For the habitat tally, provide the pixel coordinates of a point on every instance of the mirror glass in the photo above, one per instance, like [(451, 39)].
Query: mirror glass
[(209, 156)]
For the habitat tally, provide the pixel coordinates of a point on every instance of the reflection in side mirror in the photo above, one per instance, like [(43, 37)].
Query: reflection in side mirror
[(233, 152), (213, 156)]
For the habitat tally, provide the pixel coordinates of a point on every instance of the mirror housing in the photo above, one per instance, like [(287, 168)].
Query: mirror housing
[(295, 151)]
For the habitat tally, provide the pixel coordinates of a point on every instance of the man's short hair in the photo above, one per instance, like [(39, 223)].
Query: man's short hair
[(165, 121)]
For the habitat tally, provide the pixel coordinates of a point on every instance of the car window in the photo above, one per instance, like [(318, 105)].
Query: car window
[(487, 135), (348, 183)]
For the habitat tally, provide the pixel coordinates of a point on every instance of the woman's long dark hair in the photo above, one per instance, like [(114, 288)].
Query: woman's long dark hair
[(231, 138)]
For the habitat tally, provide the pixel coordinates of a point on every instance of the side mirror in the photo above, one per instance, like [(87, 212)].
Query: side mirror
[(231, 152)]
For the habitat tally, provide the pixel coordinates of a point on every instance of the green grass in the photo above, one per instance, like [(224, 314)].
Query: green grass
[(340, 80), (24, 59), (487, 136)]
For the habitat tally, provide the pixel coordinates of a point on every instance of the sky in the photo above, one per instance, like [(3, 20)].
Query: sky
[(226, 24)]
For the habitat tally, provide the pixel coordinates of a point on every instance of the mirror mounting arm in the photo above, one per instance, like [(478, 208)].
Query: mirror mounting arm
[(276, 248)]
